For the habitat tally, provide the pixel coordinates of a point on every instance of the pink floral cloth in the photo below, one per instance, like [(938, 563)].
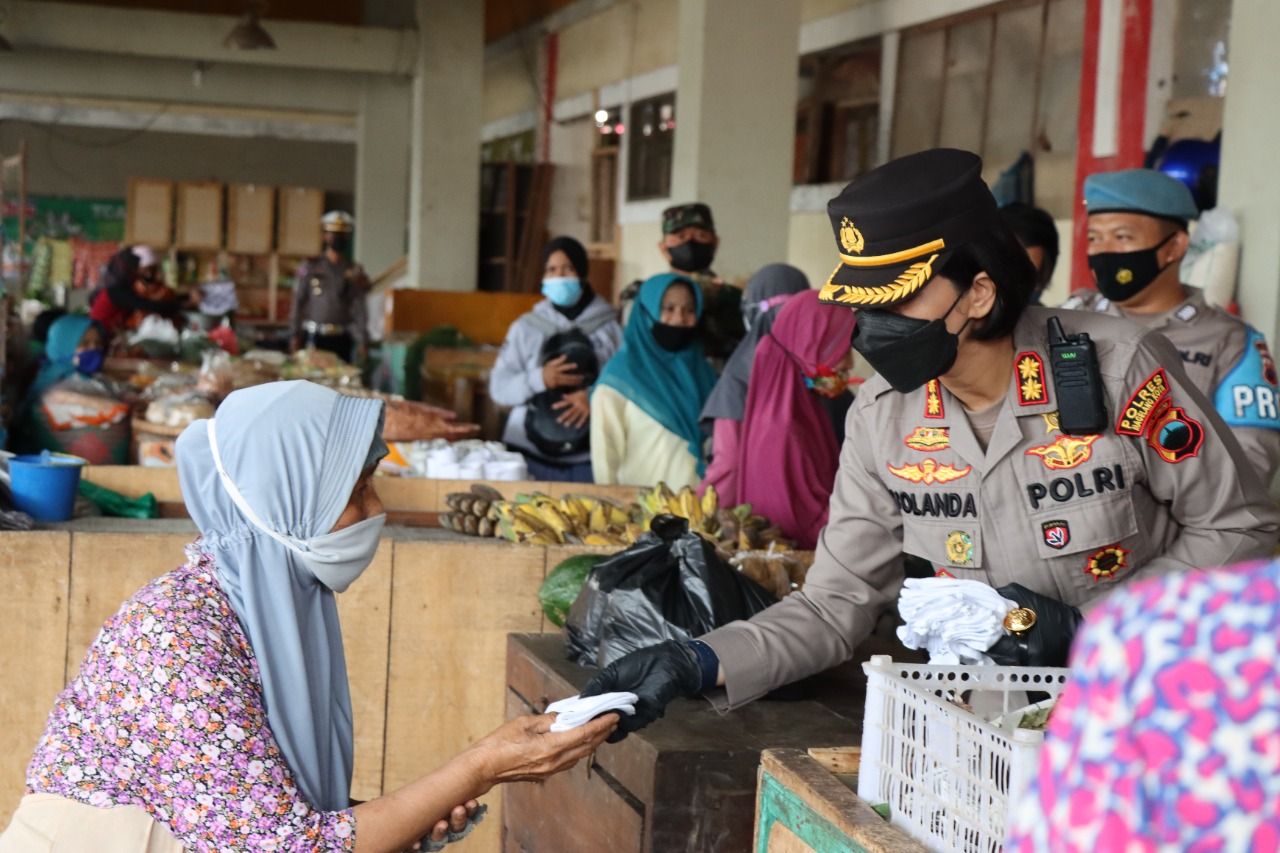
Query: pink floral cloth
[(1168, 735), (167, 713)]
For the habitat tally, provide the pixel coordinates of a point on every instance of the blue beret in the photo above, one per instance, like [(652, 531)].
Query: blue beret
[(1139, 191)]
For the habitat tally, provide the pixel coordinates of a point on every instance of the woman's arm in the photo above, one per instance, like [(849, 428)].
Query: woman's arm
[(524, 749), (515, 378)]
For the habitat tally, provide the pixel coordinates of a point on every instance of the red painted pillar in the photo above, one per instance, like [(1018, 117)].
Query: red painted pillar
[(1129, 85), (552, 53)]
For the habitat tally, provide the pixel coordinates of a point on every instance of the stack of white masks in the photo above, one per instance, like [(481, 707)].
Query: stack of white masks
[(578, 710), (956, 620)]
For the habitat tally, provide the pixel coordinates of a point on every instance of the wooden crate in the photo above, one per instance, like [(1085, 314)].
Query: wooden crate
[(298, 225), (251, 218), (149, 213), (688, 782), (199, 220), (806, 804)]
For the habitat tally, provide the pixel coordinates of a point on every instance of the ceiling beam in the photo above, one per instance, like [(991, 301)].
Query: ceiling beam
[(192, 37)]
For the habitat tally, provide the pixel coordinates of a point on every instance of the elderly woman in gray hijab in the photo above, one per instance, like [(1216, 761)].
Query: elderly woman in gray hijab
[(767, 291), (212, 711)]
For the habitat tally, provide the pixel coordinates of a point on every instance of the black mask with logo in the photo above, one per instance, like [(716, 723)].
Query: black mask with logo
[(338, 242), (906, 351), (1123, 275), (673, 338), (692, 256)]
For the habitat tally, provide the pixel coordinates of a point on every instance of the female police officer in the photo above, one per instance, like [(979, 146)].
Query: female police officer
[(956, 452)]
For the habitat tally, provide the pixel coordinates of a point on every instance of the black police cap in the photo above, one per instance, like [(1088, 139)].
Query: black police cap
[(898, 224)]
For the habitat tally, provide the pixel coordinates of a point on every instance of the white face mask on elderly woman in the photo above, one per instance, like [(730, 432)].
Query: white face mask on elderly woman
[(335, 558)]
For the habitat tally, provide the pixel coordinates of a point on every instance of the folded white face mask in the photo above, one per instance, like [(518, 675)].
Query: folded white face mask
[(336, 558)]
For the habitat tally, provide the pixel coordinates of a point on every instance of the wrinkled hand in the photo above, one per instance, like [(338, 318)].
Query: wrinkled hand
[(456, 822), (526, 750), (411, 421), (1048, 641), (574, 408), (560, 372), (656, 675)]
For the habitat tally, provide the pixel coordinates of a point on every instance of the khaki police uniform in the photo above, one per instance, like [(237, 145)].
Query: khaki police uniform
[(329, 300), (1166, 487), (1224, 357)]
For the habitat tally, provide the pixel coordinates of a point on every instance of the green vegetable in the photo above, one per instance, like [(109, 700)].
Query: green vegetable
[(561, 588)]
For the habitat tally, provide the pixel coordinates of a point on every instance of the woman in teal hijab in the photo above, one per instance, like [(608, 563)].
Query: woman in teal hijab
[(645, 408)]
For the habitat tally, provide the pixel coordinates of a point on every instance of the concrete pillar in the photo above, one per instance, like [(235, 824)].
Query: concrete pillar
[(1249, 184), (735, 124), (382, 173), (444, 186)]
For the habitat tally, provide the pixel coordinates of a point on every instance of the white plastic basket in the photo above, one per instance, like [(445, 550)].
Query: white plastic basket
[(949, 774)]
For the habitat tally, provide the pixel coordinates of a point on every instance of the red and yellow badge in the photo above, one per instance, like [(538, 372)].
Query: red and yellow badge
[(1066, 451), (1136, 415), (933, 400), (928, 438), (1032, 390), (1106, 562), (1174, 435), (929, 471)]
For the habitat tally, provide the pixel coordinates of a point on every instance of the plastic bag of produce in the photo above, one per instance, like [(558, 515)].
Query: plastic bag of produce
[(561, 588), (670, 585)]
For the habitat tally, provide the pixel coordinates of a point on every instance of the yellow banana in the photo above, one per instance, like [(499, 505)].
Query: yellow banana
[(710, 502), (599, 520)]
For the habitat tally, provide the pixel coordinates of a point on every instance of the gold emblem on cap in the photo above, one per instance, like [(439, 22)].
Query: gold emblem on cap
[(1124, 276), (850, 237), (1019, 620)]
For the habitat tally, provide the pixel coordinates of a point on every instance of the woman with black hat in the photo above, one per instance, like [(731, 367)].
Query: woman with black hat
[(971, 451), (548, 362)]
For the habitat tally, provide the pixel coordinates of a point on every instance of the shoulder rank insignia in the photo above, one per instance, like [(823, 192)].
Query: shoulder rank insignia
[(1106, 562), (1066, 451), (928, 438), (929, 472), (1186, 313), (1032, 390), (1174, 435), (1135, 417), (933, 400)]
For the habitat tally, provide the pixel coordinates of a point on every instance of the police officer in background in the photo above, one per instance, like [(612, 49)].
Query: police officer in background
[(956, 452), (329, 296), (1137, 239)]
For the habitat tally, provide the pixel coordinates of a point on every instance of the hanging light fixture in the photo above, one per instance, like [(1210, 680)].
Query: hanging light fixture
[(248, 33)]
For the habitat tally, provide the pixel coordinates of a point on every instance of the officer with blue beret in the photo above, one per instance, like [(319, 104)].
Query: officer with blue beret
[(1137, 240)]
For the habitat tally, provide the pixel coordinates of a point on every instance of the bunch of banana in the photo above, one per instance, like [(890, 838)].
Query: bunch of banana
[(741, 530), (575, 519), (702, 513), (469, 511)]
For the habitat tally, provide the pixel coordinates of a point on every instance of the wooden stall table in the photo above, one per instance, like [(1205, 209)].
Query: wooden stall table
[(687, 782), (806, 803)]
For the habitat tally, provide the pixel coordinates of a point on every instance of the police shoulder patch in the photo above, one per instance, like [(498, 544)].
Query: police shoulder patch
[(1136, 414), (1249, 395), (933, 400), (1186, 313), (1032, 390)]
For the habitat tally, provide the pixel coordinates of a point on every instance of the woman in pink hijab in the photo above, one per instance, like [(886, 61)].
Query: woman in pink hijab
[(788, 455)]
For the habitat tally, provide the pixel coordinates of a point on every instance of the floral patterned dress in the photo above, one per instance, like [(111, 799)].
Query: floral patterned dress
[(1168, 735), (167, 713)]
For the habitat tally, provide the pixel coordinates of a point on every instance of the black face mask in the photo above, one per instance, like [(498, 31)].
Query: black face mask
[(692, 256), (1123, 275), (340, 243), (674, 338), (906, 351)]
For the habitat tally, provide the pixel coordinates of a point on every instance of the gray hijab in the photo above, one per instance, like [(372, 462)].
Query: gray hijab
[(294, 451), (766, 293)]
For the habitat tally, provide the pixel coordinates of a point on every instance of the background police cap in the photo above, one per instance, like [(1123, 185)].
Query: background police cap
[(338, 221), (694, 214), (897, 225), (1143, 191)]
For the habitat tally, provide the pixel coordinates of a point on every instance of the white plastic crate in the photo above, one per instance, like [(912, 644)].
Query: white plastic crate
[(949, 774)]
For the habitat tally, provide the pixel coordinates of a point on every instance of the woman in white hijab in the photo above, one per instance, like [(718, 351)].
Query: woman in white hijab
[(212, 711)]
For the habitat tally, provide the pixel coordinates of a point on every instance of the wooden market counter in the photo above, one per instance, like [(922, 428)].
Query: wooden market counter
[(686, 783), (425, 631)]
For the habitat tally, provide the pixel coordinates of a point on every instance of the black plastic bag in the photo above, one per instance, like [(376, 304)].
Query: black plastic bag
[(670, 585)]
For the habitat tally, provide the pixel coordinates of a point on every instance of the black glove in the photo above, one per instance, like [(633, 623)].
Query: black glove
[(1048, 641), (656, 675)]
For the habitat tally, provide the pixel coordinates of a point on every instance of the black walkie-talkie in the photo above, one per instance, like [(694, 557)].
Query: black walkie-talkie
[(1082, 408)]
